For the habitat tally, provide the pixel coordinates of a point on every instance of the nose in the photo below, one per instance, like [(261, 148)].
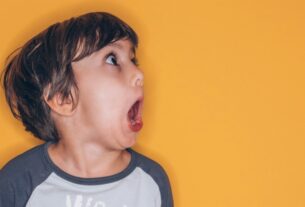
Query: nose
[(138, 79)]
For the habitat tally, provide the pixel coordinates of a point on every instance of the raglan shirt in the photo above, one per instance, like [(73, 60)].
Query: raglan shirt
[(33, 180)]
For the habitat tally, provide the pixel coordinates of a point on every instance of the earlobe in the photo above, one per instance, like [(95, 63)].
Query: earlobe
[(58, 105)]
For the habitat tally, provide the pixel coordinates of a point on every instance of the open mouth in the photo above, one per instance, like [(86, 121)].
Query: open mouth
[(135, 115), (133, 111)]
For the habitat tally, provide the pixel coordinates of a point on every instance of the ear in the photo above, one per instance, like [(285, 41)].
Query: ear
[(59, 106)]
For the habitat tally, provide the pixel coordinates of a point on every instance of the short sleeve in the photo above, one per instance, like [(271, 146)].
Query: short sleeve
[(159, 175), (165, 188), (6, 192)]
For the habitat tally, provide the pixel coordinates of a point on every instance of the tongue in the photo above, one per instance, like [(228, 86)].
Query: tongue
[(136, 125), (135, 121)]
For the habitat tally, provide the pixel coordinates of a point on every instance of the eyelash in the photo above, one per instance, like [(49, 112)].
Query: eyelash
[(111, 55), (134, 60)]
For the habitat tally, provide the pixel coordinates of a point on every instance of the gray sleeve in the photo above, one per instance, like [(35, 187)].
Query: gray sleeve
[(19, 177), (159, 175), (162, 180), (7, 196)]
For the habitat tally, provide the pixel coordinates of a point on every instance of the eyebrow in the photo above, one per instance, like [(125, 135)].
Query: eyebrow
[(119, 46)]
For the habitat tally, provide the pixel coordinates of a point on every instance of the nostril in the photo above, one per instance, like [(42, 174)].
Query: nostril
[(137, 79), (140, 82)]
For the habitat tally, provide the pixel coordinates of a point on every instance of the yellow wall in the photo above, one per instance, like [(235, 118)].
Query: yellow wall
[(224, 83)]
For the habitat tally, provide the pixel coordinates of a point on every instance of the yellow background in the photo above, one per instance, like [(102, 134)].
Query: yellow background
[(224, 90)]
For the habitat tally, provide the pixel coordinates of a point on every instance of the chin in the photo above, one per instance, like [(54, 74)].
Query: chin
[(129, 138), (128, 142), (131, 143)]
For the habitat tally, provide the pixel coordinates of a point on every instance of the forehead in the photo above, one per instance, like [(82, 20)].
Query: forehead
[(123, 44)]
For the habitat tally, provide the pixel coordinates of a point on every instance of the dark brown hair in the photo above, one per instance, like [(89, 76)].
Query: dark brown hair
[(45, 60)]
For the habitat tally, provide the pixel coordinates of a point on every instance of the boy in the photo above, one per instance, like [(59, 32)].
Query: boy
[(76, 85)]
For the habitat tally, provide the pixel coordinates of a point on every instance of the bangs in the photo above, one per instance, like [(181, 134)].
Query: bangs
[(89, 33)]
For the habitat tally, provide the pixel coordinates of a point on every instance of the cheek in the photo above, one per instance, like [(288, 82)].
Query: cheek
[(102, 102)]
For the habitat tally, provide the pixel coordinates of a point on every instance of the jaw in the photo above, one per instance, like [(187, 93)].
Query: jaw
[(125, 134)]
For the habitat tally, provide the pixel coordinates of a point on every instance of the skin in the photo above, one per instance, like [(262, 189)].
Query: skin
[(95, 135)]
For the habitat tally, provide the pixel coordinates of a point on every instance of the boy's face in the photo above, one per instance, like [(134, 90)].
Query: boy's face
[(109, 84)]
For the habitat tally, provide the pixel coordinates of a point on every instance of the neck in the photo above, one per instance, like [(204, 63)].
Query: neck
[(88, 159)]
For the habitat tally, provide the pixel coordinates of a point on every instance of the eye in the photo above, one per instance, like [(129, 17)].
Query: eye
[(111, 59), (135, 61)]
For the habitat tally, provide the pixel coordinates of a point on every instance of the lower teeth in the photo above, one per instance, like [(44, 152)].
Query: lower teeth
[(133, 122)]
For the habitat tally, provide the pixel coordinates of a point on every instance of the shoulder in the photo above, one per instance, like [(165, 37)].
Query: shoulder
[(21, 165), (21, 175), (149, 165), (156, 171)]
